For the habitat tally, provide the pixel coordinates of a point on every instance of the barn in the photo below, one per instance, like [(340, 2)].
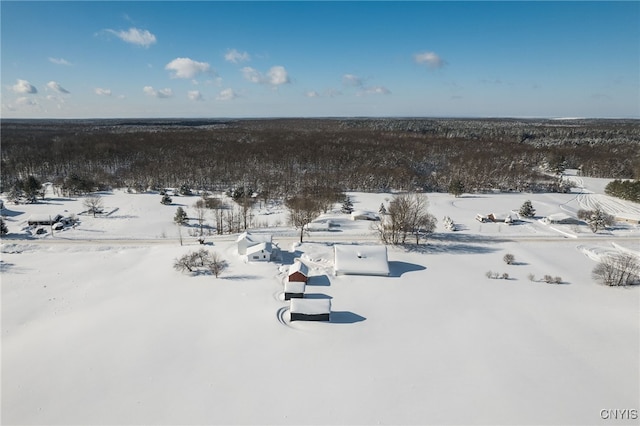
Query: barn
[(298, 272), (310, 309), (360, 260)]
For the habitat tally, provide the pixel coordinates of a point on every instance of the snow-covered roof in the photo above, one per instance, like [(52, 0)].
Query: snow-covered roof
[(43, 217), (256, 238), (259, 247), (310, 306), (299, 267), (294, 287), (363, 214), (360, 260)]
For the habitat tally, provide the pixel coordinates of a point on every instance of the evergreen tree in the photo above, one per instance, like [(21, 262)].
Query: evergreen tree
[(166, 199), (456, 188), (3, 227), (347, 206), (181, 216), (527, 209), (382, 210), (32, 187)]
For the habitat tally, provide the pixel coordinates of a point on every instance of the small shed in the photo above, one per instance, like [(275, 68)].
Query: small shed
[(260, 252), (360, 260), (298, 272), (310, 309), (294, 289)]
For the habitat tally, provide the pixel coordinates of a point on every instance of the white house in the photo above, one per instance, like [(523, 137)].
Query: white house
[(360, 260), (246, 240), (262, 252)]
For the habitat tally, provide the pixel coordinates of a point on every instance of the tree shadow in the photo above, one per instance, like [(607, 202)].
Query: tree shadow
[(11, 213), (397, 268), (240, 277), (345, 317), (462, 237), (451, 248)]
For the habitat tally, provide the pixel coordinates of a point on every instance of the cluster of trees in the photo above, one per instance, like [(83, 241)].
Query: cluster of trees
[(278, 158), (201, 260), (407, 215), (617, 270), (597, 218), (625, 189)]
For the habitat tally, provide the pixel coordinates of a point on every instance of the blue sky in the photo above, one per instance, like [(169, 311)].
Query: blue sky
[(316, 59)]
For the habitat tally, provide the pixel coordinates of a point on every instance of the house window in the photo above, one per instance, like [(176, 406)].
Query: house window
[(256, 257)]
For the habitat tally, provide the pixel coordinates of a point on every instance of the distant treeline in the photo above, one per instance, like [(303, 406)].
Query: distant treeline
[(281, 156)]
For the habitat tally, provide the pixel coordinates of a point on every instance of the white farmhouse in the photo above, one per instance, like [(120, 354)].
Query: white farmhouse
[(246, 240)]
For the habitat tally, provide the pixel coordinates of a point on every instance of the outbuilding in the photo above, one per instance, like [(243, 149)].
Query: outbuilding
[(294, 290), (360, 260), (298, 272), (310, 309), (43, 219)]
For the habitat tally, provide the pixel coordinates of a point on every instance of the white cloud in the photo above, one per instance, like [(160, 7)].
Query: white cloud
[(251, 75), (187, 68), (135, 36), (59, 61), (431, 59), (312, 94), (163, 93), (24, 101), (195, 95), (102, 92), (374, 90), (226, 95), (23, 86), (235, 56), (55, 86), (352, 80), (276, 76)]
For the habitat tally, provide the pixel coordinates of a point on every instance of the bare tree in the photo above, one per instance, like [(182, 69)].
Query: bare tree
[(94, 204), (407, 215), (302, 210), (217, 264), (617, 270), (200, 207), (201, 259)]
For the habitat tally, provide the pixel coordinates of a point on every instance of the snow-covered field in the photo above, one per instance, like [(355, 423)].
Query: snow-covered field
[(98, 328)]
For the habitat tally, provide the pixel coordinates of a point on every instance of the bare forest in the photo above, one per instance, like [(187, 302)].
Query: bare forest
[(281, 157)]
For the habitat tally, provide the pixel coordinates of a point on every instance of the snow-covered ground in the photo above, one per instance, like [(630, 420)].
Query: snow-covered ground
[(98, 328)]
